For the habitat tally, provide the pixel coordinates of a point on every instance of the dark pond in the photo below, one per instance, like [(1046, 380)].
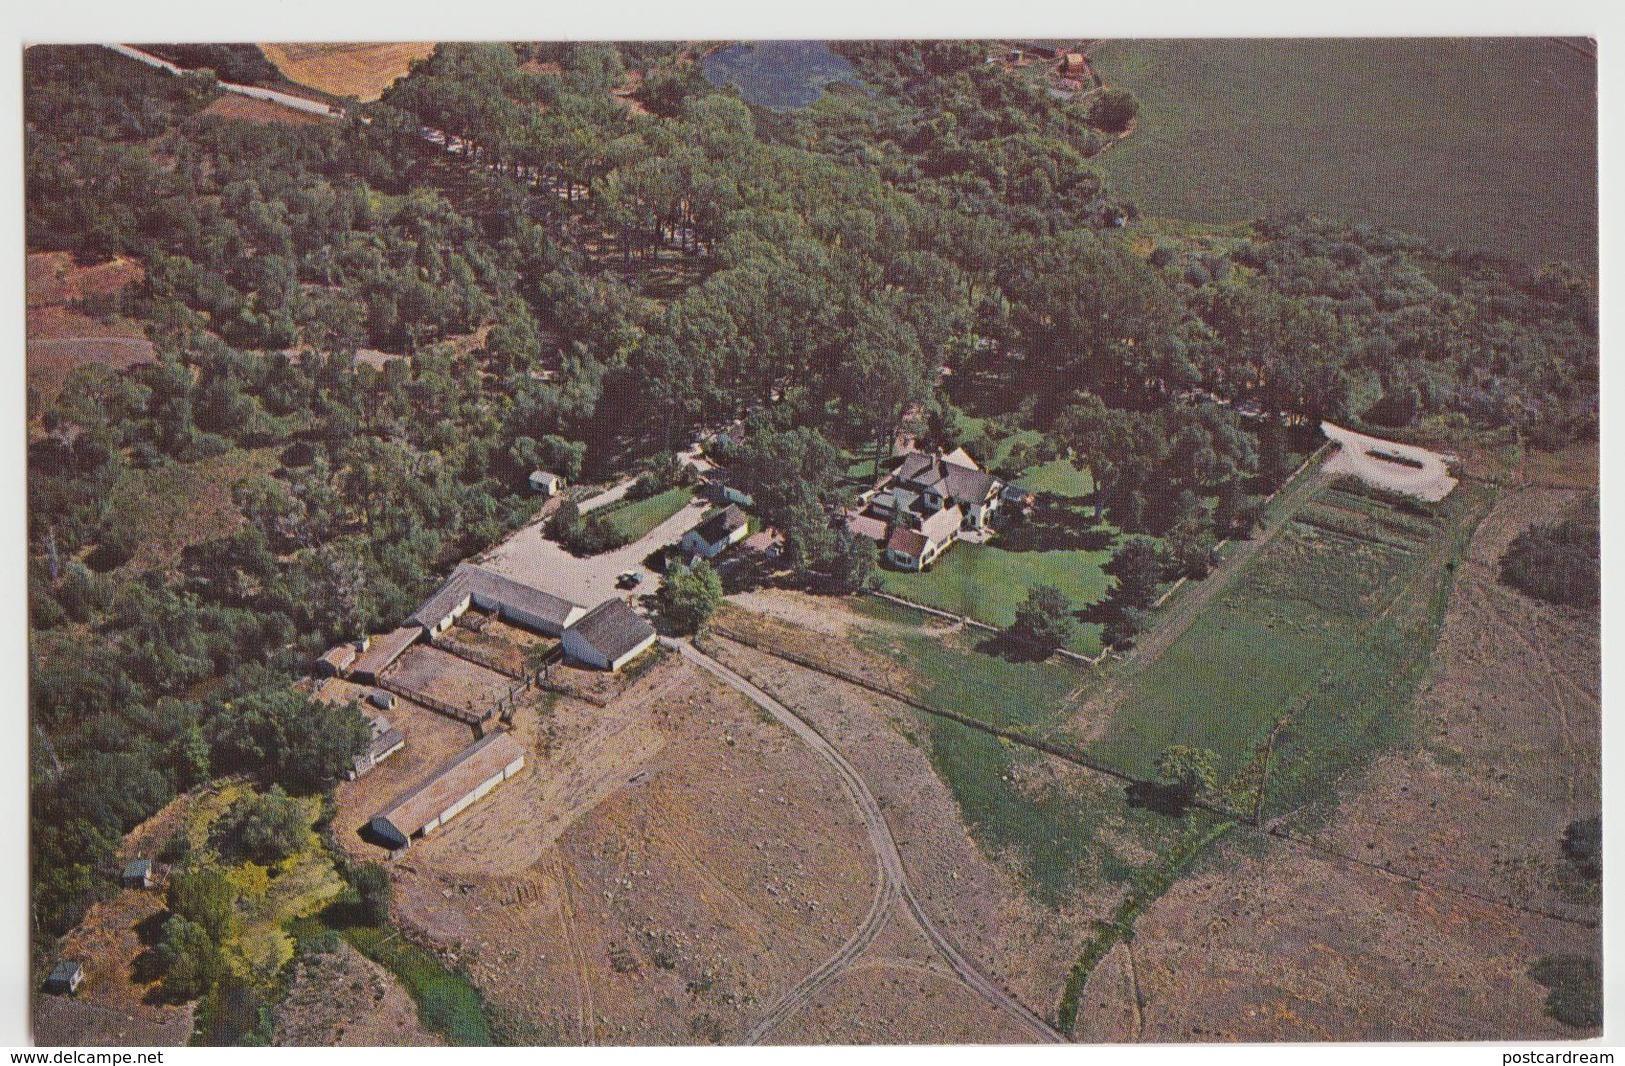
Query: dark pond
[(780, 74)]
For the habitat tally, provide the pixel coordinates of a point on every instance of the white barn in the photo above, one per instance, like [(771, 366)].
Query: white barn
[(449, 791), (609, 636)]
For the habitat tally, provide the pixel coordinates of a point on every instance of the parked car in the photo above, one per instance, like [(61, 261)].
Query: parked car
[(629, 580)]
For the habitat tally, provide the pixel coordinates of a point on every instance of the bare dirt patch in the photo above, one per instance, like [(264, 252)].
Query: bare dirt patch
[(1281, 943), (447, 677), (263, 112), (979, 903), (108, 942), (62, 336), (898, 994), (654, 878), (343, 999)]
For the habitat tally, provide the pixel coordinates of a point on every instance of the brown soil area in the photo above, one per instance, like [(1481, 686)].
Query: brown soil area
[(62, 338), (502, 643), (108, 942), (1282, 943), (362, 70), (898, 993), (444, 676), (263, 112), (62, 1021), (653, 876), (343, 999)]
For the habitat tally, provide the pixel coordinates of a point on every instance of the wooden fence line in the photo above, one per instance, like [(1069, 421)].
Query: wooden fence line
[(1069, 754)]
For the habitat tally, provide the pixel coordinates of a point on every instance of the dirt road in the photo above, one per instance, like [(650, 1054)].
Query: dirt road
[(893, 888)]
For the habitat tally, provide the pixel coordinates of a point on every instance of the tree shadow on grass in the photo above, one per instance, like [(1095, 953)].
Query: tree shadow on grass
[(1055, 525), (1007, 647)]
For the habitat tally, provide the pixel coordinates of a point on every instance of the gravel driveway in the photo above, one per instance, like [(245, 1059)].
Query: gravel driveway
[(530, 557), (1429, 481)]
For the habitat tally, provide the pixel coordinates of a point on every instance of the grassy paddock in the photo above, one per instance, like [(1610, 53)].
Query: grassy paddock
[(1448, 138), (1062, 832), (634, 520)]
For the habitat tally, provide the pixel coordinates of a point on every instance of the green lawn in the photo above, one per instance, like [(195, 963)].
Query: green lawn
[(1060, 477), (634, 520), (1483, 143), (988, 583)]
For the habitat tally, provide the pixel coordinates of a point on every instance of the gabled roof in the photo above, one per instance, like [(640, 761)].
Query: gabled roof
[(947, 477), (909, 542), (64, 970), (968, 486), (720, 526), (471, 580), (613, 628), (941, 526), (863, 525), (456, 778), (138, 868)]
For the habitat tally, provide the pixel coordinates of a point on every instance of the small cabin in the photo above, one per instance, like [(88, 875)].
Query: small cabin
[(137, 874), (66, 978), (381, 699), (545, 483)]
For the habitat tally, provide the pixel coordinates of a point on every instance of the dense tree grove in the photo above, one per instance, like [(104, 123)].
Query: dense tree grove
[(1559, 563), (383, 326)]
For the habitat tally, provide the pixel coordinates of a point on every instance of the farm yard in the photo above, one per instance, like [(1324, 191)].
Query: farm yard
[(1332, 760), (1448, 138)]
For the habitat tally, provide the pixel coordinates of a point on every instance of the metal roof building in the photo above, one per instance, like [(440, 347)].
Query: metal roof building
[(450, 790)]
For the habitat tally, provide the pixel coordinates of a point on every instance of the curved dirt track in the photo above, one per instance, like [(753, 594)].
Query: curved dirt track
[(893, 880)]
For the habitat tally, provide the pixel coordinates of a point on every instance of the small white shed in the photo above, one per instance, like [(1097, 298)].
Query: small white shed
[(546, 483)]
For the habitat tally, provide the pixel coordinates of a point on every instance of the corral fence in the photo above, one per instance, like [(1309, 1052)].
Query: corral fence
[(503, 706), (477, 657)]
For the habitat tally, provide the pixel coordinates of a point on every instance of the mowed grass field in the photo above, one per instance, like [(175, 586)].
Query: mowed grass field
[(1328, 627), (1487, 144), (361, 70), (988, 583)]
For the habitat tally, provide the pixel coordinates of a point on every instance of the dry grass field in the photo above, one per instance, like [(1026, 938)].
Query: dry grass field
[(359, 69), (651, 877), (343, 999), (1281, 942)]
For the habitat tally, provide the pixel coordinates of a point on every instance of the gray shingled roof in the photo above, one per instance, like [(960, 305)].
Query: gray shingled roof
[(716, 529), (613, 628), (488, 585)]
